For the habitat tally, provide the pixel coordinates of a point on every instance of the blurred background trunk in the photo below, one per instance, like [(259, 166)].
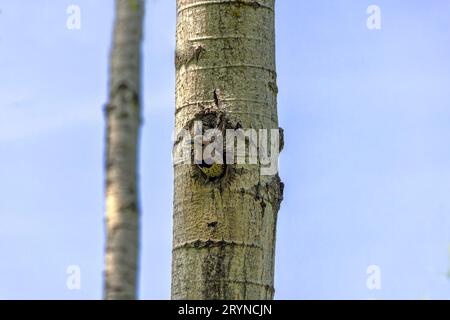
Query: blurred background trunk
[(123, 113)]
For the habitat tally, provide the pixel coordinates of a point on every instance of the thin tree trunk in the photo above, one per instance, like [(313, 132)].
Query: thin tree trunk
[(224, 228), (123, 122)]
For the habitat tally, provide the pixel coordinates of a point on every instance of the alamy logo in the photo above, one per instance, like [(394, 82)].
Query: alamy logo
[(374, 20), (374, 280), (74, 19), (73, 277), (239, 146)]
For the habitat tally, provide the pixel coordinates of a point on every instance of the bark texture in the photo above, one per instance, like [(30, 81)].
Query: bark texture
[(224, 229), (123, 122)]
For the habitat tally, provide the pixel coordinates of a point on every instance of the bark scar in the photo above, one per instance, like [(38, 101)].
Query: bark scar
[(216, 97), (185, 57)]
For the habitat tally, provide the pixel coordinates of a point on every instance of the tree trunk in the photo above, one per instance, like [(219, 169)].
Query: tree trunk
[(224, 227), (123, 122)]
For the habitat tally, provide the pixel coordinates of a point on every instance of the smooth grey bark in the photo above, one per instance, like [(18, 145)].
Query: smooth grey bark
[(123, 121), (224, 229)]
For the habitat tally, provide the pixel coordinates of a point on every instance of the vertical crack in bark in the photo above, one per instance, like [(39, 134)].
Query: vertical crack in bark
[(216, 97)]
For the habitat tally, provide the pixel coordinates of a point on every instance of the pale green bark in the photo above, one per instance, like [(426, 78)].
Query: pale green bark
[(224, 230), (123, 121)]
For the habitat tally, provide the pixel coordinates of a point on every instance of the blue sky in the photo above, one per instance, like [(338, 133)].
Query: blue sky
[(366, 162)]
